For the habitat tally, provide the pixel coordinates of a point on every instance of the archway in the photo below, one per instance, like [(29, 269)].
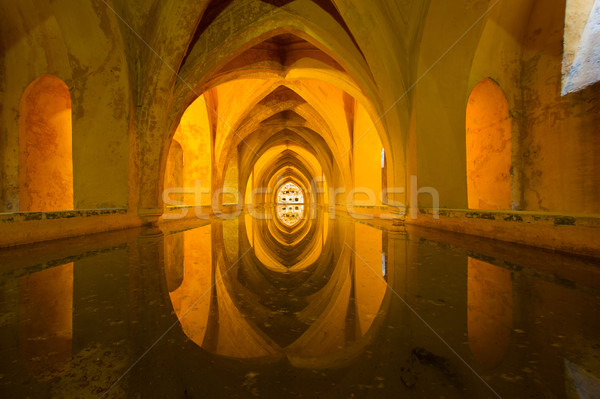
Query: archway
[(317, 78), (488, 139), (45, 147)]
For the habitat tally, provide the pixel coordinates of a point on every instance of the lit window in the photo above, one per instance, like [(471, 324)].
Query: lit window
[(290, 192)]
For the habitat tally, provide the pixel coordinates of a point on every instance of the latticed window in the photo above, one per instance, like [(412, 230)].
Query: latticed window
[(290, 193)]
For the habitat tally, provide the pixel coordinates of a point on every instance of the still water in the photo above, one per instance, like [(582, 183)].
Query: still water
[(322, 308)]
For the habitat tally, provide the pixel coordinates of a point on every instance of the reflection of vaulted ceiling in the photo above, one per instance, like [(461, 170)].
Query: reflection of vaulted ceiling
[(316, 316)]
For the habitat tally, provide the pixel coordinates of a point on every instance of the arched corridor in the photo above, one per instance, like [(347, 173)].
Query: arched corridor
[(316, 198), (208, 121)]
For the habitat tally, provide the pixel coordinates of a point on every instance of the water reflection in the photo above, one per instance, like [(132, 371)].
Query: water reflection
[(490, 318), (290, 215), (46, 321), (310, 303), (329, 308)]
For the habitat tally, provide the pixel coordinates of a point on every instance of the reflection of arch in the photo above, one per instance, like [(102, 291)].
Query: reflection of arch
[(290, 214), (490, 313), (370, 286), (45, 149), (190, 287), (488, 138), (46, 319), (283, 247), (338, 311)]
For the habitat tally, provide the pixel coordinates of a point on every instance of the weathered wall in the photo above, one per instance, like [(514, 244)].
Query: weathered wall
[(194, 135), (175, 174), (446, 51), (80, 43), (45, 147), (559, 138), (518, 44), (366, 159), (488, 140), (498, 57)]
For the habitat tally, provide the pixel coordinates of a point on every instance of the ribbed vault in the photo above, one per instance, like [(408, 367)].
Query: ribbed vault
[(285, 97)]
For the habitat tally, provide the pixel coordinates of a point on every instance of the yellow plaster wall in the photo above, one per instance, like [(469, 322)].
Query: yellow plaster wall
[(440, 99), (560, 137), (81, 45), (45, 153), (519, 45), (175, 173), (366, 151), (194, 135), (488, 138)]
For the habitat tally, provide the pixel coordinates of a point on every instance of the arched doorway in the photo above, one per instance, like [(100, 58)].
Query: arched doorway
[(45, 147), (488, 139)]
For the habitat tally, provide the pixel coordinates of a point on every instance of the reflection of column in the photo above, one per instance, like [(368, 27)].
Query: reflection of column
[(147, 282), (370, 286), (45, 319), (489, 310), (401, 256), (230, 239), (327, 315), (249, 229), (352, 324), (191, 300)]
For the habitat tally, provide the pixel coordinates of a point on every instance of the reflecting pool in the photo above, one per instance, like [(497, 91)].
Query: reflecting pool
[(325, 307)]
